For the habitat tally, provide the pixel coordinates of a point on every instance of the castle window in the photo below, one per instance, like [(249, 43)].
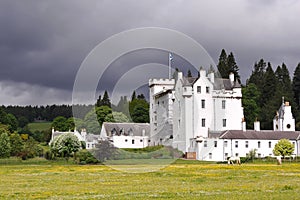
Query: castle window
[(202, 103), (225, 143), (141, 140), (223, 104), (216, 143), (126, 140), (224, 122), (246, 144), (259, 155), (203, 122), (236, 144), (198, 89), (226, 156), (288, 126), (210, 155), (258, 144), (270, 144), (207, 90), (132, 141), (205, 143), (237, 154)]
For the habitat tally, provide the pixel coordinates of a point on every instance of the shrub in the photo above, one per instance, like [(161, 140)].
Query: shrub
[(85, 157)]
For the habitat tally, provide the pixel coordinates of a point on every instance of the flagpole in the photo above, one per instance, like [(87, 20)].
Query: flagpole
[(169, 65), (170, 60)]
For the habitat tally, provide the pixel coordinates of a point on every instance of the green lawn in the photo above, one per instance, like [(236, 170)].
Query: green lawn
[(181, 180), (39, 126)]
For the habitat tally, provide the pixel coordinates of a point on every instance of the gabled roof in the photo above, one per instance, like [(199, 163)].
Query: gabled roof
[(189, 81), (136, 129), (260, 135), (221, 83), (91, 137)]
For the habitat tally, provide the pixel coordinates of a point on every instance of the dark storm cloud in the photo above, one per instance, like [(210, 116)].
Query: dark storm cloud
[(42, 43)]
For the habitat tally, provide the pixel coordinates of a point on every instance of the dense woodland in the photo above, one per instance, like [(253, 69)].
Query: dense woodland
[(262, 96)]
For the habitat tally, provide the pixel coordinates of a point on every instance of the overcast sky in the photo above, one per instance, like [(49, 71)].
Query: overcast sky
[(44, 42)]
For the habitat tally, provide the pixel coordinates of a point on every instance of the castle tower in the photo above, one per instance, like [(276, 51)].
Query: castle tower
[(284, 120)]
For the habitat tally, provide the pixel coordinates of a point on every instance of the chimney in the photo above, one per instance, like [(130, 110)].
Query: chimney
[(243, 125), (231, 77), (202, 72), (211, 76), (257, 126)]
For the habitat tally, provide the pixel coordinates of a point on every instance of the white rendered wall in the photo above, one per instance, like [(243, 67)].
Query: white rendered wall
[(126, 141)]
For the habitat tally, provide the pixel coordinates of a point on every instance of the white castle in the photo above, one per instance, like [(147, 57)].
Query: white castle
[(204, 116)]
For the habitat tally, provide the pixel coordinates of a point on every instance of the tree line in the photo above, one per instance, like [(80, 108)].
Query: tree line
[(264, 89)]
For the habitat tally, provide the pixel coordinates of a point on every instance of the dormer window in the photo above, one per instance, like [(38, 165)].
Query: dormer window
[(113, 131), (130, 132)]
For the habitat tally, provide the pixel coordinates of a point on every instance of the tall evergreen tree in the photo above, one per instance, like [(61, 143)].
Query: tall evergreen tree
[(257, 76), (222, 65), (189, 73), (232, 66), (133, 96), (98, 103), (269, 101), (105, 100), (269, 85), (296, 85)]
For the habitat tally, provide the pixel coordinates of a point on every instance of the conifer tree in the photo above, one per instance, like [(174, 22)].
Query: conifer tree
[(105, 100), (269, 85), (133, 96), (232, 67), (257, 76), (222, 65), (296, 85), (189, 74)]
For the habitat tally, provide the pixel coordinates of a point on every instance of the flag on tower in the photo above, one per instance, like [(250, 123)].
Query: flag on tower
[(170, 57)]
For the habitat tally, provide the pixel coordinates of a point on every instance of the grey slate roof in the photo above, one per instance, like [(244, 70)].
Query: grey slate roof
[(135, 129), (91, 137), (260, 135), (189, 81), (226, 84)]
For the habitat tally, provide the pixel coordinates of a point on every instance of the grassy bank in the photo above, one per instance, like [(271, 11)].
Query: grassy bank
[(181, 180), (39, 126)]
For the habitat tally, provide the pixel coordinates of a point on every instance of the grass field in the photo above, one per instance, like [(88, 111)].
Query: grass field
[(39, 126), (182, 180)]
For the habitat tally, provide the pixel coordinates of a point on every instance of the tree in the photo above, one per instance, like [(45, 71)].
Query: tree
[(16, 143), (189, 73), (139, 110), (60, 124), (102, 112), (116, 117), (140, 114), (5, 147), (222, 65), (233, 68), (65, 145), (91, 123), (296, 85), (133, 96), (250, 98), (269, 85), (31, 149), (105, 101), (257, 76), (283, 148), (105, 150)]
